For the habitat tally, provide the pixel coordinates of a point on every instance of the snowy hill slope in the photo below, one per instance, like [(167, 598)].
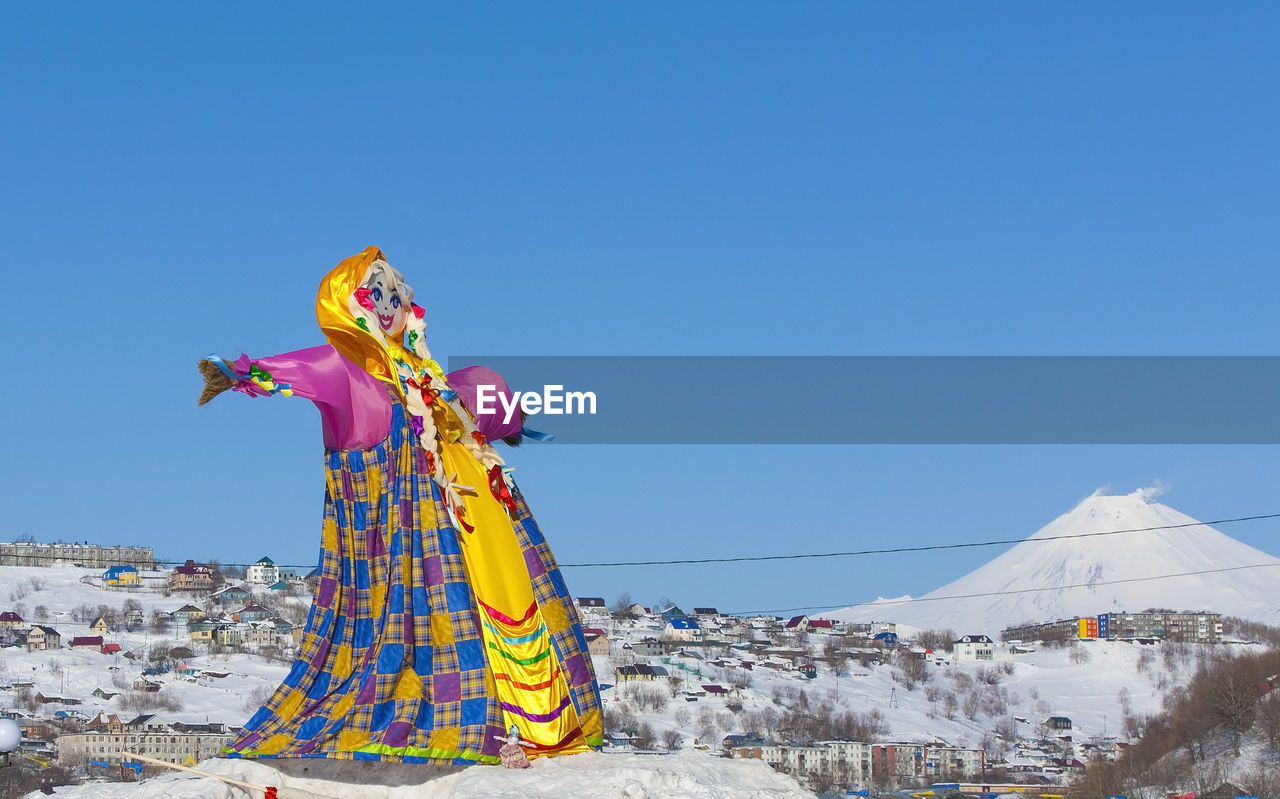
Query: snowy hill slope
[(1099, 574), (1111, 681)]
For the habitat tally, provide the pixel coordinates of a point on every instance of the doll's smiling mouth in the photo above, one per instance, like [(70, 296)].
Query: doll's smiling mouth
[(386, 321)]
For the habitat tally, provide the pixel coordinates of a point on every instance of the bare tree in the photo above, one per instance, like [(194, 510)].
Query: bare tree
[(621, 606), (1232, 700), (706, 721), (644, 737), (937, 640), (949, 704)]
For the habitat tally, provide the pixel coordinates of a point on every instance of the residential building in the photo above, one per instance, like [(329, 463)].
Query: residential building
[(201, 632), (639, 672), (682, 629), (251, 613), (109, 724), (597, 644), (264, 572), (895, 760), (172, 743), (186, 614), (260, 632), (648, 647), (969, 648), (89, 642), (229, 634), (191, 577), (1060, 630), (122, 576), (848, 761), (1200, 627), (99, 626), (231, 596), (11, 620), (87, 555), (592, 609), (40, 638), (797, 624)]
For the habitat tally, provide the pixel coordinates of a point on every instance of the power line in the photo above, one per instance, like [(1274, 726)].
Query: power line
[(886, 602), (929, 548), (799, 556)]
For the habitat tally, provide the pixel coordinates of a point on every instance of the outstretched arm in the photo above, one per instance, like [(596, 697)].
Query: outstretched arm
[(354, 406)]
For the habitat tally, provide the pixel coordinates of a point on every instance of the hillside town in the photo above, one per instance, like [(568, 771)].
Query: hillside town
[(118, 655)]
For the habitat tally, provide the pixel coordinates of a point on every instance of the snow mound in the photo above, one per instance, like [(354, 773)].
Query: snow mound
[(592, 775)]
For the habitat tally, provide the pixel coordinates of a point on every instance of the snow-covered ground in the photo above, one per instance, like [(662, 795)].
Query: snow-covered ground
[(76, 674), (1095, 684), (683, 775)]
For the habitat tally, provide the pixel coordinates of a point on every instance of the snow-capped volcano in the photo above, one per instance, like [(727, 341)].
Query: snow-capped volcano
[(1092, 574)]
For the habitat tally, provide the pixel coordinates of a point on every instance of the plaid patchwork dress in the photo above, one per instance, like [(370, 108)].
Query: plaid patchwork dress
[(424, 643)]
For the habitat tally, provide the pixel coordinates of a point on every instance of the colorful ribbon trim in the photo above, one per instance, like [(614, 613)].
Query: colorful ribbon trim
[(380, 749), (529, 432), (498, 615), (541, 656), (537, 686), (519, 639), (540, 717), (257, 376), (498, 487)]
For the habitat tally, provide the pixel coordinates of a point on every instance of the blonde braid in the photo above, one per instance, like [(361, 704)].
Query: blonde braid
[(430, 376)]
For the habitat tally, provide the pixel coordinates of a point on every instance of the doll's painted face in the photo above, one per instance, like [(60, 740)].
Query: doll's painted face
[(388, 305)]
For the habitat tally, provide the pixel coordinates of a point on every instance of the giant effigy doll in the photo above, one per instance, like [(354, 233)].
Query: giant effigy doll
[(441, 621)]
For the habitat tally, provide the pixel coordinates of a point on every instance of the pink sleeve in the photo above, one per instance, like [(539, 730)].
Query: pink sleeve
[(354, 407), (492, 420)]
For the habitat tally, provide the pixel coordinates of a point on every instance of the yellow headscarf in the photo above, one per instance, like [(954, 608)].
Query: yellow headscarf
[(340, 317), (333, 312)]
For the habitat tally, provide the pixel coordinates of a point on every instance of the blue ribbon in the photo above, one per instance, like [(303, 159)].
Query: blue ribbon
[(239, 378), (529, 432), (227, 370), (448, 394)]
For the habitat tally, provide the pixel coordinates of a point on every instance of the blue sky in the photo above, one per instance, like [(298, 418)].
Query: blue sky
[(583, 179)]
